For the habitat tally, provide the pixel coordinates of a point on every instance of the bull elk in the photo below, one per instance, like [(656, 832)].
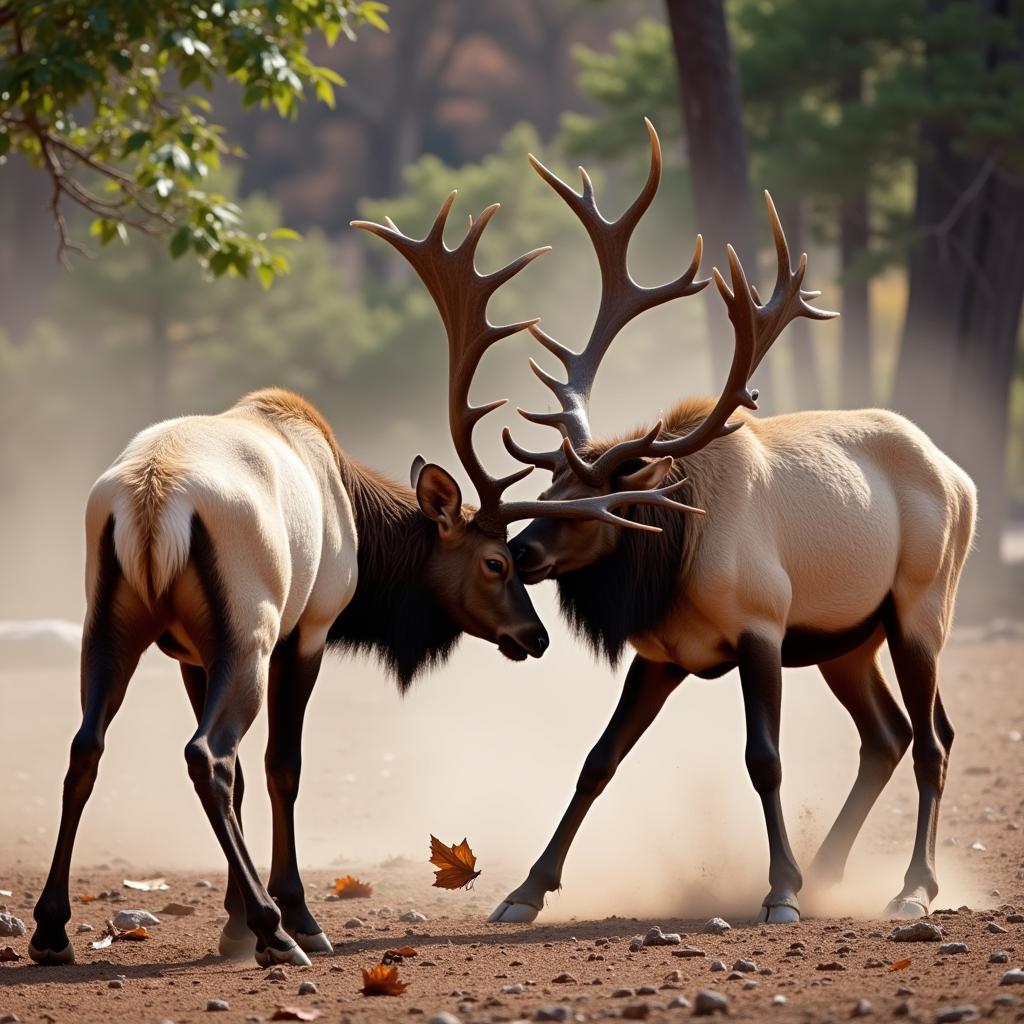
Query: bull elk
[(244, 544), (824, 534)]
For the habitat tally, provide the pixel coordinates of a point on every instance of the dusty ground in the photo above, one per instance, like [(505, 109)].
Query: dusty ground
[(464, 963)]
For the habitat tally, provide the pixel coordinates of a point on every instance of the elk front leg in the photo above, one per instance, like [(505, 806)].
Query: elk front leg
[(292, 677), (760, 664), (644, 693)]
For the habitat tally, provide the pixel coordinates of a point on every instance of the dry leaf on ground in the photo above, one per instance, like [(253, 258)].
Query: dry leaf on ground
[(382, 981), (899, 965), (396, 956), (87, 899), (349, 888), (113, 934), (148, 884), (294, 1013), (456, 865), (8, 953)]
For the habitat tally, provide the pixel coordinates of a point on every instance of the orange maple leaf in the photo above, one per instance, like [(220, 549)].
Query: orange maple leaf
[(87, 899), (382, 981), (349, 888), (899, 965), (455, 864)]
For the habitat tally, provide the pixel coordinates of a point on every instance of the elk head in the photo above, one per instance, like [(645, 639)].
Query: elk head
[(471, 570), (583, 470)]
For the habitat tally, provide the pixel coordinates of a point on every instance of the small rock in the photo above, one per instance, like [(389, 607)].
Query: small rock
[(204, 884), (1012, 977), (919, 931), (11, 926), (636, 945), (673, 976), (904, 990), (83, 928), (412, 915), (127, 919), (954, 947), (115, 983), (354, 922), (217, 1005), (679, 1003), (276, 974), (1005, 1000), (903, 1009), (552, 1013), (443, 1018), (707, 1003), (308, 988), (831, 965), (1015, 918), (873, 963), (656, 937), (863, 1008), (718, 965), (716, 926), (513, 990), (624, 993), (779, 1000), (952, 1014), (565, 978), (688, 951), (638, 1011), (995, 929), (1002, 957), (750, 983), (646, 990), (10, 1018), (745, 966)]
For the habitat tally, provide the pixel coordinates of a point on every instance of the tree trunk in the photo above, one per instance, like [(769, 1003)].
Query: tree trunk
[(855, 390), (963, 318), (716, 144)]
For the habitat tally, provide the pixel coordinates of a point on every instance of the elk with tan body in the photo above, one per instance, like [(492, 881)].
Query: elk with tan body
[(246, 543), (825, 534)]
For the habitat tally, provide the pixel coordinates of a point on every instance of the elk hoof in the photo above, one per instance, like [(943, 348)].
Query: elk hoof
[(237, 947), (293, 955), (313, 944), (906, 908), (781, 914), (52, 957), (514, 913)]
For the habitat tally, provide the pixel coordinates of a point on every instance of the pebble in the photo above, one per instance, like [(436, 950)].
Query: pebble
[(679, 1003), (115, 983), (513, 990), (10, 1018), (277, 974), (1015, 976), (444, 1018), (552, 1013), (919, 931), (1002, 957), (903, 1009), (1005, 1000), (217, 1005), (979, 847), (707, 1003), (995, 929), (656, 937), (832, 965), (779, 1000), (1015, 918), (750, 984), (639, 1011), (127, 919), (952, 1014), (716, 926), (688, 951), (746, 966), (565, 978), (204, 884), (11, 926), (636, 945), (412, 915), (308, 988), (646, 990), (624, 993), (83, 927), (954, 947), (863, 1008), (718, 965), (354, 922)]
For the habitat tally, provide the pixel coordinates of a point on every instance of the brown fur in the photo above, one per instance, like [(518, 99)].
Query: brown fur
[(282, 406)]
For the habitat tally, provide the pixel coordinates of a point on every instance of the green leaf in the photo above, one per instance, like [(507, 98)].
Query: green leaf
[(285, 234), (136, 141), (266, 275), (180, 241)]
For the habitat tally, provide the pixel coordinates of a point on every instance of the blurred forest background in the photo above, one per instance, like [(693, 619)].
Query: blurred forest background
[(890, 133)]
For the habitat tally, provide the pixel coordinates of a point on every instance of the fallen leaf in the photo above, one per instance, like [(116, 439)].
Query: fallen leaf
[(294, 1013), (455, 864), (103, 942), (396, 956), (148, 884), (899, 965), (132, 934), (349, 888), (8, 953), (178, 910), (382, 981), (87, 899), (113, 934)]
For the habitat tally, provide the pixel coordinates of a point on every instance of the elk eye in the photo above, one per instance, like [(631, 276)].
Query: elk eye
[(495, 565)]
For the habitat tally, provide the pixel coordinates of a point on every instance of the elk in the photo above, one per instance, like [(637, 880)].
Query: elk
[(244, 544), (823, 535)]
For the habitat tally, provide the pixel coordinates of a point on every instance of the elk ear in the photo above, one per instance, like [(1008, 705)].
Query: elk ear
[(644, 474), (414, 473), (440, 500)]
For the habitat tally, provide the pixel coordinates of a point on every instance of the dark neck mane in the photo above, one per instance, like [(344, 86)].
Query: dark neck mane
[(393, 614)]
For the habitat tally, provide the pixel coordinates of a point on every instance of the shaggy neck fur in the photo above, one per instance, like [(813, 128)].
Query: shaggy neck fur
[(631, 591), (393, 614)]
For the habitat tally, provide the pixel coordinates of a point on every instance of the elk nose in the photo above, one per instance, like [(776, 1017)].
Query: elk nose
[(541, 642)]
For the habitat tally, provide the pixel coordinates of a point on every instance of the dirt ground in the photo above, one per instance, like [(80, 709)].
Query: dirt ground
[(464, 964)]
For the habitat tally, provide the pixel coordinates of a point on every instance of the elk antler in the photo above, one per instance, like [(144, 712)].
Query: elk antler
[(461, 295), (622, 299)]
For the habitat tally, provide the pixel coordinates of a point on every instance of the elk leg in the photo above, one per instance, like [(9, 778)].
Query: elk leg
[(885, 734), (292, 677), (235, 687), (235, 938), (644, 693), (917, 671), (760, 664), (119, 631)]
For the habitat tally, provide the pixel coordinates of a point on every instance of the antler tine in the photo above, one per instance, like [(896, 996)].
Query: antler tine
[(542, 460), (461, 294)]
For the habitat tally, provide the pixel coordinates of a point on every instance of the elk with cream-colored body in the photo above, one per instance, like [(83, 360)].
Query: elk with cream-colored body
[(823, 535), (246, 543)]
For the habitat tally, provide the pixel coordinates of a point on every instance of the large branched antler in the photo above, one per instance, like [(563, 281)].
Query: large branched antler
[(461, 295), (622, 299)]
